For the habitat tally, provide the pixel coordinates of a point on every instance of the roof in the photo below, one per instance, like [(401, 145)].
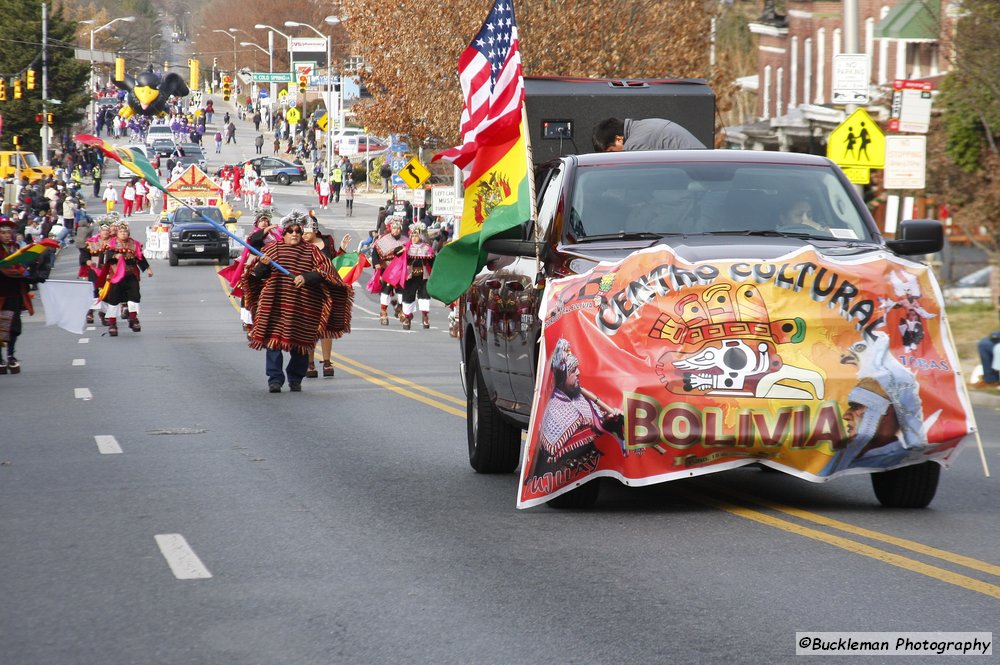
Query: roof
[(708, 156), (912, 21)]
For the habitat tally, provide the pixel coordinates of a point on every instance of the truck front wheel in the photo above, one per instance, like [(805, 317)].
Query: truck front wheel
[(494, 443), (908, 487)]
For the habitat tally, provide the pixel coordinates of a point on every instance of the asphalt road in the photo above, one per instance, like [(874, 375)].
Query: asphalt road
[(159, 506)]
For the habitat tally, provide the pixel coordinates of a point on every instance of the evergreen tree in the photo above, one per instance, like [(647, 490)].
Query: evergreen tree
[(21, 35)]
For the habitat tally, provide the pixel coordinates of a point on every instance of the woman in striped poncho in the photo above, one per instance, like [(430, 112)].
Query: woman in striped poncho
[(291, 312)]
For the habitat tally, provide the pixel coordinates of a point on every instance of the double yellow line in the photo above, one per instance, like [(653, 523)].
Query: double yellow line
[(854, 546), (756, 514), (745, 505)]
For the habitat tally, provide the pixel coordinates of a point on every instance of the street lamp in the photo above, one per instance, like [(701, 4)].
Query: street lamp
[(149, 60), (127, 19), (334, 20), (270, 59), (270, 46), (329, 92), (233, 37)]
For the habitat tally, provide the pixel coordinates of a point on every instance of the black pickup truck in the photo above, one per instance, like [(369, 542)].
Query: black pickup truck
[(706, 205), (191, 237)]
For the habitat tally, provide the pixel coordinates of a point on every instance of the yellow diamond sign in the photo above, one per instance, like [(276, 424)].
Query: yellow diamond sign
[(414, 173), (858, 141)]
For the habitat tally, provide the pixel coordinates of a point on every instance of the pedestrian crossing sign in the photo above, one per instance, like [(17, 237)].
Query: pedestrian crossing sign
[(858, 141)]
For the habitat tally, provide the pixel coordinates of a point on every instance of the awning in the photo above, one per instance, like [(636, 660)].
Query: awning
[(912, 21)]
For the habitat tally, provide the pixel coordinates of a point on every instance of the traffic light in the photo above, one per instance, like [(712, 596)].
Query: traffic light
[(3, 90), (227, 87), (119, 69), (303, 82), (17, 141), (48, 118), (194, 66), (17, 89), (31, 79)]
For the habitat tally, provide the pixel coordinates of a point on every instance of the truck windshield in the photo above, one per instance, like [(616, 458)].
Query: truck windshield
[(27, 160), (713, 197)]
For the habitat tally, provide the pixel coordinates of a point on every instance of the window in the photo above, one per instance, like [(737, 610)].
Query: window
[(723, 197)]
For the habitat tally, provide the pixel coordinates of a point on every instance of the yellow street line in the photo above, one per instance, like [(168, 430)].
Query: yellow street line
[(904, 543), (855, 547), (402, 381), (401, 391)]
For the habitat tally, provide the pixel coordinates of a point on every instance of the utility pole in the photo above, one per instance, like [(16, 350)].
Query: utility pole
[(45, 84), (851, 46)]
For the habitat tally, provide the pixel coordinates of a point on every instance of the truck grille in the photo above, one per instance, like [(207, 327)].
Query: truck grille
[(195, 236)]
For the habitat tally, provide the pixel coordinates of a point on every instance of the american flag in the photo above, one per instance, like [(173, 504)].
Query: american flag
[(492, 86)]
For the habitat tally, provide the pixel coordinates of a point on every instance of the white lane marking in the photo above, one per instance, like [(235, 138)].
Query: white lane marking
[(183, 562), (91, 328), (82, 393), (365, 309), (77, 362), (107, 444), (83, 340)]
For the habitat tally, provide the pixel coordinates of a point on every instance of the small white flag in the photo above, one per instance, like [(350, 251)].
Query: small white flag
[(66, 303)]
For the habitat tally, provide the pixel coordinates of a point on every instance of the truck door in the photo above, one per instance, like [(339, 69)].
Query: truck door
[(523, 299)]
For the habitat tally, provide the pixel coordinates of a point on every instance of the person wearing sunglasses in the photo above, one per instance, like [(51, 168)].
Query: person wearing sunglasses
[(291, 312)]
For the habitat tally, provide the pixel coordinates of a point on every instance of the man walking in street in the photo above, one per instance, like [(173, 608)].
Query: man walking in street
[(385, 172), (336, 181), (230, 133), (259, 142), (291, 312)]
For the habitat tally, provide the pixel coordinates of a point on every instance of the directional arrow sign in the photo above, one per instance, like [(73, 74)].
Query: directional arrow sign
[(414, 173)]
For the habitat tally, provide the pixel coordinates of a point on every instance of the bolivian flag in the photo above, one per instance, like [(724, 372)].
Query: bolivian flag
[(28, 253), (497, 200), (134, 160), (350, 265)]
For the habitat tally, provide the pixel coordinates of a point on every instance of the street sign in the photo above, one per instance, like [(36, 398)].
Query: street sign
[(443, 200), (283, 92), (323, 122), (262, 93), (858, 141), (905, 162), (911, 106), (851, 77), (414, 173), (271, 77), (293, 115)]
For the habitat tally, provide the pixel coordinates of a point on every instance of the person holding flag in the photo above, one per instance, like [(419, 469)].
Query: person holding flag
[(17, 265), (290, 312), (493, 155)]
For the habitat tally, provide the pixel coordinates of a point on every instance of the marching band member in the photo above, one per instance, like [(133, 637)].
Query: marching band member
[(419, 258), (125, 259)]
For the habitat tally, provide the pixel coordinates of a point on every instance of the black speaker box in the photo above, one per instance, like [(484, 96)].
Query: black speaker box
[(562, 111)]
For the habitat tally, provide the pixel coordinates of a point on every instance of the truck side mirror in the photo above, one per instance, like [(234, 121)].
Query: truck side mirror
[(918, 236)]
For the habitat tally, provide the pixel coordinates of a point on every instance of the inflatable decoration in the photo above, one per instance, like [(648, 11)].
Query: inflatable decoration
[(148, 93)]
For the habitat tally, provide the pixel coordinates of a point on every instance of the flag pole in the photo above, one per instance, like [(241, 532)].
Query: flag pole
[(220, 227)]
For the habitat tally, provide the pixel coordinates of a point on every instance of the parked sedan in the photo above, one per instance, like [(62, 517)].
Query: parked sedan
[(275, 169)]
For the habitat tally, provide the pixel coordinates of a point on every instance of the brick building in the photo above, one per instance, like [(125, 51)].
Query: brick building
[(795, 53)]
